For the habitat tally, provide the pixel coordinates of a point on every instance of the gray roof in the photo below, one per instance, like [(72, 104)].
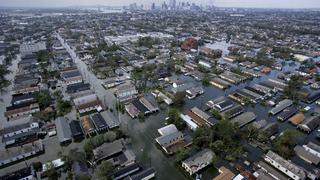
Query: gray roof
[(313, 146), (199, 160), (143, 174), (108, 149), (281, 106), (169, 129), (298, 171), (110, 119), (310, 124), (271, 170), (182, 88), (244, 118), (163, 140), (63, 129), (307, 156)]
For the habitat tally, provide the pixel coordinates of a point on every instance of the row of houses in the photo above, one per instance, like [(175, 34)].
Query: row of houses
[(140, 106), (286, 167), (96, 123), (26, 83), (14, 154), (134, 171), (196, 118)]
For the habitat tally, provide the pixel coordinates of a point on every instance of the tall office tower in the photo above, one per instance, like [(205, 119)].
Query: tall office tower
[(153, 6), (172, 4), (164, 6)]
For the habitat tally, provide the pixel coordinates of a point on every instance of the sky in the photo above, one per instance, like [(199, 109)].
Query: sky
[(219, 3)]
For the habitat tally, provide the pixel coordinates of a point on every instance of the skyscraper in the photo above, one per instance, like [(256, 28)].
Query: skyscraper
[(153, 6), (172, 4)]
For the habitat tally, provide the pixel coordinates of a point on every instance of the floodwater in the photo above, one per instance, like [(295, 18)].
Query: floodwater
[(143, 132), (6, 94)]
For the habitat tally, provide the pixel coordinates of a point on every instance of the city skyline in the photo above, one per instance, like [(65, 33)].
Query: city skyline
[(219, 3)]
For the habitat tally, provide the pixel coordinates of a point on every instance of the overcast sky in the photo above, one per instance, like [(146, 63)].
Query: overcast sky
[(220, 3)]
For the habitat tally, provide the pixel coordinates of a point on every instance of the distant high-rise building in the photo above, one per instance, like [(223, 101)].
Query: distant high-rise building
[(164, 6), (153, 6), (172, 4), (133, 6)]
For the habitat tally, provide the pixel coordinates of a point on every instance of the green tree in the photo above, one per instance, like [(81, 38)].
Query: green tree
[(181, 155), (52, 173), (216, 114), (285, 143), (3, 81), (63, 107), (110, 136), (104, 171), (224, 139), (206, 80), (37, 166), (179, 99), (44, 99), (294, 85), (174, 118)]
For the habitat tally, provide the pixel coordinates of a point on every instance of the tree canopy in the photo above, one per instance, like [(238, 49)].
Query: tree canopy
[(104, 171), (224, 139), (174, 118)]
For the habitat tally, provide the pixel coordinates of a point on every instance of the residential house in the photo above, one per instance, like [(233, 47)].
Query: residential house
[(146, 174), (126, 171), (244, 119), (194, 92), (63, 131), (292, 170), (170, 136), (99, 122), (281, 106), (114, 152), (87, 126), (310, 124), (198, 161), (71, 76), (24, 109), (21, 174), (88, 103), (307, 156), (76, 130), (14, 154), (225, 174), (126, 92)]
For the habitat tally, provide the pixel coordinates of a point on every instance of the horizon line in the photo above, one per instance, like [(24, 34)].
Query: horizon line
[(83, 6)]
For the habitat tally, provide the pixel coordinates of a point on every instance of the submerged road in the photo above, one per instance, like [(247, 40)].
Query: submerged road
[(143, 134)]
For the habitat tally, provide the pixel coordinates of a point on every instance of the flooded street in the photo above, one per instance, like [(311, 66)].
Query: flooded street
[(143, 134), (6, 94)]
